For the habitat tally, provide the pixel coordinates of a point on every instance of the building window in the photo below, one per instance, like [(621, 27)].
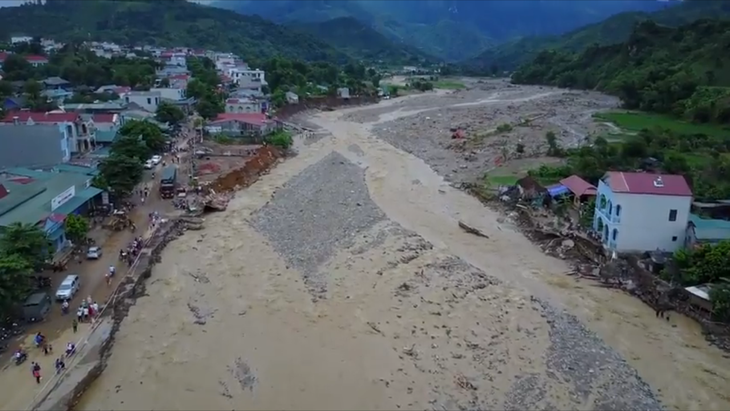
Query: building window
[(618, 210), (149, 101), (672, 215), (615, 234), (674, 238)]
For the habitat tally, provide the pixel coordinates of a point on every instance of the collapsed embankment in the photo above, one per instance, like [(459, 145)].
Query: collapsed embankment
[(266, 158), (319, 103), (65, 393)]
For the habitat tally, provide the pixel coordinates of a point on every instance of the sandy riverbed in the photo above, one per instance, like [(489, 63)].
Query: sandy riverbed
[(341, 281)]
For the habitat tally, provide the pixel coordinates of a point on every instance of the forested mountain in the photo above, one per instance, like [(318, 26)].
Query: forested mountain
[(613, 30), (680, 71), (451, 29), (364, 43), (165, 23)]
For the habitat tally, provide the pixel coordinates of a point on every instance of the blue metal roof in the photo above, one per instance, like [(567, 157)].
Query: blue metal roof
[(557, 190)]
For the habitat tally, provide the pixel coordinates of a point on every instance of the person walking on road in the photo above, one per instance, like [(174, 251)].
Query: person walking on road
[(36, 370), (75, 325)]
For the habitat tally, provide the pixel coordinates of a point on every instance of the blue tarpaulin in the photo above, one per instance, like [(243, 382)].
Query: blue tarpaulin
[(557, 190)]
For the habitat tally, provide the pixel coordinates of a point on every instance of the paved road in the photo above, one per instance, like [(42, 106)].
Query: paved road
[(18, 391)]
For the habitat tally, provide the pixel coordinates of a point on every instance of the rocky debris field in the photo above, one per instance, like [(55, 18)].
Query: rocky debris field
[(462, 338), (317, 212), (498, 124)]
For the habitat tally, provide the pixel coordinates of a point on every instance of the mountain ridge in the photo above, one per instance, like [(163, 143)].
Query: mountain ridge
[(612, 30), (363, 42), (454, 29)]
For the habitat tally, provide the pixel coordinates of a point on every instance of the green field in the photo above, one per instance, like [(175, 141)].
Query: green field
[(633, 121), (449, 85)]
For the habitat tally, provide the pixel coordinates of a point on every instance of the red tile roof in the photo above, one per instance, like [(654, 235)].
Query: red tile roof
[(180, 77), (3, 56), (578, 186), (644, 183), (23, 117), (104, 118), (36, 58), (257, 119)]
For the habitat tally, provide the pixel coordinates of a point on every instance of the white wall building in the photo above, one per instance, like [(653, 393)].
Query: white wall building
[(21, 39), (243, 105), (175, 94), (148, 100), (638, 212), (239, 74)]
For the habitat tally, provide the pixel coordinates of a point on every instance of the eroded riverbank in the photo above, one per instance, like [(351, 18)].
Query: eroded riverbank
[(341, 281)]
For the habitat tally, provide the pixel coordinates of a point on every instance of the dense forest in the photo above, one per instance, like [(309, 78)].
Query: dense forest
[(680, 73), (613, 30), (164, 23)]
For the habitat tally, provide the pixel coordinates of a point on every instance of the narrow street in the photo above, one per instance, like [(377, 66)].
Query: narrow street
[(58, 327)]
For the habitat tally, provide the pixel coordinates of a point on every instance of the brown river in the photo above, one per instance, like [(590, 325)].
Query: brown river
[(391, 333)]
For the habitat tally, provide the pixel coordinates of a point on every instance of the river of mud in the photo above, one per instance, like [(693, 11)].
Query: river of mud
[(342, 281)]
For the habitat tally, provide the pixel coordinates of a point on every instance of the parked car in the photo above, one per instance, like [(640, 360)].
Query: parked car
[(68, 288), (36, 306), (156, 159), (149, 165), (94, 253)]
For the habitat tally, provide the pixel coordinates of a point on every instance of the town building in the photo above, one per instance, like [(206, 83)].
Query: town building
[(34, 60), (45, 198), (240, 124), (637, 212), (243, 105), (147, 100), (80, 131), (40, 145)]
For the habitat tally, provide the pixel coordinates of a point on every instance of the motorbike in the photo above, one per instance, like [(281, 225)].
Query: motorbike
[(21, 359)]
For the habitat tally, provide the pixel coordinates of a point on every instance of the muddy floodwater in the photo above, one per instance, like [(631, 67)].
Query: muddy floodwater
[(341, 280)]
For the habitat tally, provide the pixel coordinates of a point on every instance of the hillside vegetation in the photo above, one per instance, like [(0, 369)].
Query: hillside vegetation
[(164, 23), (613, 30), (364, 43), (452, 30), (681, 75), (680, 71)]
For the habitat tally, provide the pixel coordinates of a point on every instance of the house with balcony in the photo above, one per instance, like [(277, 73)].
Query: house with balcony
[(243, 105), (80, 131), (637, 212)]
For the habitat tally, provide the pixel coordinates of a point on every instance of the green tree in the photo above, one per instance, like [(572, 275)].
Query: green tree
[(720, 298), (120, 174), (281, 139), (209, 107), (76, 228), (131, 147), (150, 133), (169, 113), (196, 89), (17, 68), (27, 241), (15, 272)]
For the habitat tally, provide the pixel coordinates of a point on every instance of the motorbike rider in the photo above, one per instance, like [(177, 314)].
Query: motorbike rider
[(70, 349), (112, 270), (20, 354), (39, 339), (64, 307)]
